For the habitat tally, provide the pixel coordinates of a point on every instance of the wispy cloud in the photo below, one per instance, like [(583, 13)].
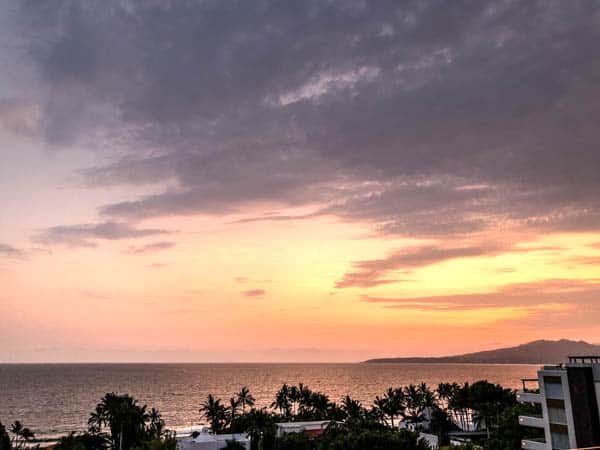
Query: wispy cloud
[(254, 293), (87, 235), (369, 273), (8, 251), (151, 248), (563, 295)]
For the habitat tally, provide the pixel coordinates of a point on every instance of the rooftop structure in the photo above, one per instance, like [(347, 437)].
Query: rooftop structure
[(312, 428), (206, 440), (569, 396)]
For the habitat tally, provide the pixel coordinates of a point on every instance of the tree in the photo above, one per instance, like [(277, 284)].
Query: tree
[(282, 401), (22, 435), (245, 398), (259, 425), (167, 442), (294, 441), (4, 439), (391, 404), (157, 424), (352, 409), (509, 432), (125, 420), (234, 445), (82, 441), (488, 401), (215, 412), (413, 401), (233, 407), (373, 440), (318, 406)]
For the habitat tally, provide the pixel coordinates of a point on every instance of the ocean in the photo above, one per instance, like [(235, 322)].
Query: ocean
[(53, 399)]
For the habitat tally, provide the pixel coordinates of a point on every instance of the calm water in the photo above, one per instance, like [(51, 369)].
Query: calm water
[(57, 398)]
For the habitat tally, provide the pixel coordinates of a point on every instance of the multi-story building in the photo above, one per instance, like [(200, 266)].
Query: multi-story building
[(569, 396)]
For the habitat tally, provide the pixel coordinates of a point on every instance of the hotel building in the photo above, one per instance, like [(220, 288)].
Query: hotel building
[(569, 396)]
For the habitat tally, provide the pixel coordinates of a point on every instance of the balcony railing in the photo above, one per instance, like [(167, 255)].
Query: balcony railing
[(529, 397), (531, 421), (534, 444)]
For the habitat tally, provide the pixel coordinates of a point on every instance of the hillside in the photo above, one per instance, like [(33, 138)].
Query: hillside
[(536, 352)]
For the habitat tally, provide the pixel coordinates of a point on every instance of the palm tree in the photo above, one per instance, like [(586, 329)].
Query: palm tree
[(391, 404), (319, 404), (234, 404), (125, 419), (304, 398), (429, 396), (245, 398), (353, 410), (282, 400), (214, 412), (4, 438), (157, 424), (22, 435), (413, 400)]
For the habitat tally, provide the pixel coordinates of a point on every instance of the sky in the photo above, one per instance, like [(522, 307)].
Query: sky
[(296, 181)]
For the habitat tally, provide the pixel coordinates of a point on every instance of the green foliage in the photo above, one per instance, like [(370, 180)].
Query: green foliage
[(129, 425), (234, 445), (373, 440), (509, 433), (4, 438), (83, 441), (215, 412), (391, 405), (119, 422), (468, 446), (22, 435), (294, 441), (245, 398), (259, 425), (165, 443)]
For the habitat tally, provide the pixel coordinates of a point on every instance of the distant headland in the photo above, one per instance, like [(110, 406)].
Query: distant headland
[(535, 352)]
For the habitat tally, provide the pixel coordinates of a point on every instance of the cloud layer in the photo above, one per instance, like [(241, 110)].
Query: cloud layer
[(86, 235), (421, 118)]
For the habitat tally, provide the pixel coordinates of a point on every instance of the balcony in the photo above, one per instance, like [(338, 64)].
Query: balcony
[(534, 444), (531, 421), (529, 397)]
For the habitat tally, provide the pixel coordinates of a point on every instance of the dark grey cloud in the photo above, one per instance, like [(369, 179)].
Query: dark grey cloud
[(420, 118), (254, 293), (86, 235), (151, 247)]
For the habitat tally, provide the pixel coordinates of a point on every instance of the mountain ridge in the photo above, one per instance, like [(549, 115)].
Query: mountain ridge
[(535, 352)]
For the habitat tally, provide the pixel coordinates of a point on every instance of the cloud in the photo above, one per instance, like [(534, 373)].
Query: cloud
[(150, 248), (95, 295), (240, 279), (20, 116), (8, 251), (567, 297), (369, 273), (86, 235), (254, 293), (410, 118)]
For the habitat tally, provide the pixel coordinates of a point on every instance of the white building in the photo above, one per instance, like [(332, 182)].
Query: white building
[(569, 395), (206, 440)]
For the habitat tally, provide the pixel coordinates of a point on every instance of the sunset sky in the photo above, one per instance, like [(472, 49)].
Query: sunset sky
[(296, 181)]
